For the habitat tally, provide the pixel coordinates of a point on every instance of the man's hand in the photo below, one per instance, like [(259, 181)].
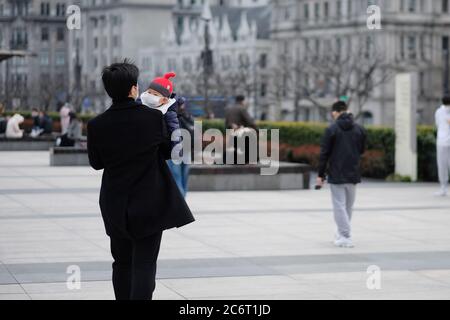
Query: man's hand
[(448, 121), (319, 182)]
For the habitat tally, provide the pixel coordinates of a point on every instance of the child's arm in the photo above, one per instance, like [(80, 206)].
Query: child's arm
[(173, 124)]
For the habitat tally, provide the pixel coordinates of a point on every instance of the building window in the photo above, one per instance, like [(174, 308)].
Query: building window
[(95, 42), (263, 89), (44, 34), (339, 8), (45, 8), (445, 6), (412, 48), (367, 118), (19, 39), (187, 65), (445, 45), (147, 63), (116, 41), (306, 11), (422, 83), (115, 20), (338, 49), (287, 14), (19, 8), (60, 34), (244, 60), (44, 58), (317, 48), (60, 58), (171, 64), (423, 44), (60, 9), (326, 10), (369, 47), (402, 47), (263, 61), (317, 11), (412, 5), (226, 62)]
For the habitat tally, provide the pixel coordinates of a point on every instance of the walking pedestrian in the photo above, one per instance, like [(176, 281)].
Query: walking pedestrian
[(443, 145), (341, 149)]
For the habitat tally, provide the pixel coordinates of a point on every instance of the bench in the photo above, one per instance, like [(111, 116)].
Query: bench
[(27, 143), (291, 176), (68, 156)]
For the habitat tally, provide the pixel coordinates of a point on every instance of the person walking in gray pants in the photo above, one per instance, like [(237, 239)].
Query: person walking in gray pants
[(342, 147), (443, 145)]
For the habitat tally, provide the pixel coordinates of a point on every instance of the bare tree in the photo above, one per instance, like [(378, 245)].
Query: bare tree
[(49, 88), (319, 76), (281, 84), (354, 74)]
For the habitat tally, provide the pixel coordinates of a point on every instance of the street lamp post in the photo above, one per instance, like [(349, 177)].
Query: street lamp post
[(447, 71), (207, 56), (77, 77)]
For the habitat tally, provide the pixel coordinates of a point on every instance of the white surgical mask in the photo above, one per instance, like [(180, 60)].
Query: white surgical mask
[(150, 100)]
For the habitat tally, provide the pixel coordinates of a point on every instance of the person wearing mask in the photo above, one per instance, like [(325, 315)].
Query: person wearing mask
[(342, 146), (442, 117)]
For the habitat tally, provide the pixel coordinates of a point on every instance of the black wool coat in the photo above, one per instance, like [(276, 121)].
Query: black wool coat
[(138, 196)]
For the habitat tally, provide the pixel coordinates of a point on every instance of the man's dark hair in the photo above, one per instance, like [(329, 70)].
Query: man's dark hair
[(446, 101), (339, 106), (240, 99), (119, 78)]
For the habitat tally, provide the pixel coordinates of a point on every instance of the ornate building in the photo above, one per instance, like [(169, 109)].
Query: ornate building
[(239, 40), (39, 79), (316, 40), (111, 30)]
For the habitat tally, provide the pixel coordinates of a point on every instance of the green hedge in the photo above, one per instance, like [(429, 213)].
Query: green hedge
[(300, 143), (379, 160), (53, 115)]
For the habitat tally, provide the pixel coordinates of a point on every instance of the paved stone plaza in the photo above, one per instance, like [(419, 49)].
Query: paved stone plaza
[(244, 245)]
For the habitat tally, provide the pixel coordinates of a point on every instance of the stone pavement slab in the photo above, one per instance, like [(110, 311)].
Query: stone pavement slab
[(244, 245)]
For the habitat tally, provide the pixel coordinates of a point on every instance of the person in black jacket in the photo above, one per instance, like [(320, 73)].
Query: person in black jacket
[(180, 171), (138, 198), (342, 147)]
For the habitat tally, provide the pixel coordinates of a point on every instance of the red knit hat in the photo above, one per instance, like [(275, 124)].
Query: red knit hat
[(163, 85)]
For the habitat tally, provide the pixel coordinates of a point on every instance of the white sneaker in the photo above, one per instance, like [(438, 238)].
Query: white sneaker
[(441, 193), (343, 242)]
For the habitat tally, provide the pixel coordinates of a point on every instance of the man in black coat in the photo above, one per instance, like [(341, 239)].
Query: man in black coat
[(342, 147), (138, 198)]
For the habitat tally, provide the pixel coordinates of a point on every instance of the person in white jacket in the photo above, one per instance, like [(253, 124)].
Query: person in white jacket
[(443, 145), (65, 118), (13, 130)]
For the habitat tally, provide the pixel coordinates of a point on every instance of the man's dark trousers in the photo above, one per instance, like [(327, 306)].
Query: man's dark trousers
[(134, 266)]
